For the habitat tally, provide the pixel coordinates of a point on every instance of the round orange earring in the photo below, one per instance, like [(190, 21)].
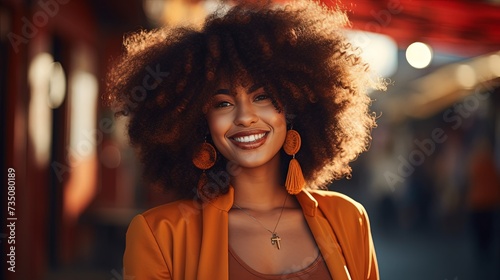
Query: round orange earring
[(292, 142), (204, 157), (294, 179)]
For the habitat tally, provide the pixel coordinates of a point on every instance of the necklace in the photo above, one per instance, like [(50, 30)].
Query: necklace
[(275, 238)]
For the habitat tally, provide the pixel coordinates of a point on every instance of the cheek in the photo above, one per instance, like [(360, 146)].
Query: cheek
[(282, 128), (218, 126), (281, 132), (278, 120)]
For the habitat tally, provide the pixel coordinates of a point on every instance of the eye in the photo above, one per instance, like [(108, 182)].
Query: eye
[(262, 97), (222, 104), (220, 101)]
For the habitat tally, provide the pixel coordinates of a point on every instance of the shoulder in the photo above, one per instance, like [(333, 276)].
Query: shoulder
[(331, 201), (340, 210), (174, 213), (347, 217)]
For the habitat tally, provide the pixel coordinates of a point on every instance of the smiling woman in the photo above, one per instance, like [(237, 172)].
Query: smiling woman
[(245, 126), (260, 108)]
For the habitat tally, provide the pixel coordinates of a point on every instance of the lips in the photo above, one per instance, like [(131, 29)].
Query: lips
[(249, 140)]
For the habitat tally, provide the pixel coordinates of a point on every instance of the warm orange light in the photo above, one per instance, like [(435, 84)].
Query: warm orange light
[(82, 152), (111, 156), (179, 12), (80, 189)]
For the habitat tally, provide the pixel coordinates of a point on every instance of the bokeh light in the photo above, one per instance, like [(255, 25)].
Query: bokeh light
[(494, 64), (466, 76), (57, 86), (419, 55)]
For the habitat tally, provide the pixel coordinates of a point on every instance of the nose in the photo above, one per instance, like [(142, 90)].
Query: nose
[(245, 114)]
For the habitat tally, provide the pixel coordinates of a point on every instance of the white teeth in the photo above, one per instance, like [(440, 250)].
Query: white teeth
[(249, 138)]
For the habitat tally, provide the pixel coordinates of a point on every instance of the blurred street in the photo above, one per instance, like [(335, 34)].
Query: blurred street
[(425, 254)]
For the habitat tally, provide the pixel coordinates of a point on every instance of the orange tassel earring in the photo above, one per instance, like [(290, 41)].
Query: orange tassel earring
[(294, 179), (204, 158)]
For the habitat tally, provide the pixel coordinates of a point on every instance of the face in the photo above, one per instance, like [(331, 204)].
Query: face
[(245, 126)]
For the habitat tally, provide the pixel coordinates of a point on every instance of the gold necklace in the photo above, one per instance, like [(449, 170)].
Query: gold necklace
[(275, 238)]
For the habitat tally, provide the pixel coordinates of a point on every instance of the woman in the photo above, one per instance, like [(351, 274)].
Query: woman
[(244, 120)]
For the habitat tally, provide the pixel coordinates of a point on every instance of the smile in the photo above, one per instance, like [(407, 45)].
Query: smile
[(249, 138)]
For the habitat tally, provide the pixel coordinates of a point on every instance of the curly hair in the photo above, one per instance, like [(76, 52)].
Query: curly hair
[(298, 52)]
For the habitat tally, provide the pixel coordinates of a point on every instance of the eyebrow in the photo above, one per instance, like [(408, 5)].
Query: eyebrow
[(223, 91), (228, 92), (254, 88)]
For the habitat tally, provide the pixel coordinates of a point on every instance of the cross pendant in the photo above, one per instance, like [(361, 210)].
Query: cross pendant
[(275, 240)]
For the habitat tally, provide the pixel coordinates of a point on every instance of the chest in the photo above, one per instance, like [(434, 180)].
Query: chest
[(269, 247)]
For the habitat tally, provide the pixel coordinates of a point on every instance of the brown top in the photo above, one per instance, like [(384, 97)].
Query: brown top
[(238, 269)]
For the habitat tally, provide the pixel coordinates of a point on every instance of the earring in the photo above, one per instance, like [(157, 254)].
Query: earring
[(294, 178), (204, 158)]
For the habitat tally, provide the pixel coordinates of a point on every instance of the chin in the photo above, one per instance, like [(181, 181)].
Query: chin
[(254, 161), (249, 164)]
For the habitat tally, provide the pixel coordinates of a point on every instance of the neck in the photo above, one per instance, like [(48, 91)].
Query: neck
[(259, 188)]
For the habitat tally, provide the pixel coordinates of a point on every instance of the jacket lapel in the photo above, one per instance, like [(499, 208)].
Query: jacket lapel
[(324, 236), (214, 261)]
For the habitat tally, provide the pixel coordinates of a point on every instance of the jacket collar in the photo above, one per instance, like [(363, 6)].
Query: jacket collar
[(308, 203)]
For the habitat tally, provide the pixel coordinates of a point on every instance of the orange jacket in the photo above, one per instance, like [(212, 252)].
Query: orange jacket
[(184, 240)]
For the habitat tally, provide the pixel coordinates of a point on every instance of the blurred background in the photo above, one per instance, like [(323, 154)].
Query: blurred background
[(430, 180)]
